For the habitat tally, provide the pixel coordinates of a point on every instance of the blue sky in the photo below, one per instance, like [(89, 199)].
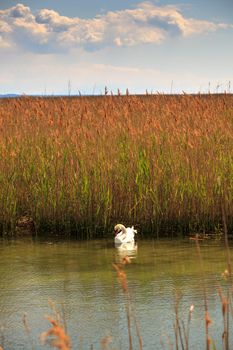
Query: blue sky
[(56, 46)]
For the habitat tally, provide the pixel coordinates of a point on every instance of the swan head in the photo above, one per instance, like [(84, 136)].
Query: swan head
[(119, 228)]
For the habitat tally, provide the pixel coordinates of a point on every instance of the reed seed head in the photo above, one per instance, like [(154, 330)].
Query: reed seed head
[(56, 336)]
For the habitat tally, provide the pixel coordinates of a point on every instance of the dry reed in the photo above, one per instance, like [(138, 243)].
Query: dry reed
[(77, 165), (207, 317), (56, 336), (122, 279)]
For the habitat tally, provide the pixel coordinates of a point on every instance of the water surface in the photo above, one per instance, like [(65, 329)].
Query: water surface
[(80, 279)]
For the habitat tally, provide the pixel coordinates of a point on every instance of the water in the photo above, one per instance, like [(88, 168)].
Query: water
[(78, 277)]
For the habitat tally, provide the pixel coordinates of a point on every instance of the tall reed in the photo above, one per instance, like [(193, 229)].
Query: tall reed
[(79, 165)]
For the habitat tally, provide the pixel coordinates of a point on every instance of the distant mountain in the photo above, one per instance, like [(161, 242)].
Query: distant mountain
[(9, 95)]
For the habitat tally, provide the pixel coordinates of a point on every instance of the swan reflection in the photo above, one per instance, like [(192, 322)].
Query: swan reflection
[(126, 251)]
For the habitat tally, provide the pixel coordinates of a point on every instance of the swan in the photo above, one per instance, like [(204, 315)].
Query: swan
[(123, 234)]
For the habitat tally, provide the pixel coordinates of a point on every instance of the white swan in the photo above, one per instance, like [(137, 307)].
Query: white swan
[(123, 234)]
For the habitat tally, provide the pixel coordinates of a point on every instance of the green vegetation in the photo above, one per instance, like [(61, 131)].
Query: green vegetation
[(79, 165)]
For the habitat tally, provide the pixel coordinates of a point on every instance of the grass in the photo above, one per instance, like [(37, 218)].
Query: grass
[(80, 165)]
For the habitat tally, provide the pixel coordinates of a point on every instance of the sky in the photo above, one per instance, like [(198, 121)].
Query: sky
[(51, 47)]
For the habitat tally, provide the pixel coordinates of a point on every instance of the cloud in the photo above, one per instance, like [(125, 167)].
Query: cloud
[(19, 11), (48, 31), (51, 74)]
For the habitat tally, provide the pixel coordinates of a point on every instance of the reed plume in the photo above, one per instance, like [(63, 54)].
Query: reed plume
[(56, 336), (78, 164)]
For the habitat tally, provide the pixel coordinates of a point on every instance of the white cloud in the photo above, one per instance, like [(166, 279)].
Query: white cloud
[(47, 30), (4, 27), (19, 11)]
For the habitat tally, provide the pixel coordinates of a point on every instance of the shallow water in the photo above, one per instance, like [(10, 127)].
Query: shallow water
[(80, 280)]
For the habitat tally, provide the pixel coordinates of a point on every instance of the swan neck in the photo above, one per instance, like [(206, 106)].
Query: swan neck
[(123, 229)]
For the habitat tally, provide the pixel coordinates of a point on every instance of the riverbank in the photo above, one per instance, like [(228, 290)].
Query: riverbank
[(79, 165)]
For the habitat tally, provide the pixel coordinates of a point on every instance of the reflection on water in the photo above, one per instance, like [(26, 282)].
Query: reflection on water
[(126, 250), (80, 279)]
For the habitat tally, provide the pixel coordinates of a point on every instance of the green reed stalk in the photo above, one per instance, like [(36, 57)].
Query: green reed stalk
[(79, 165)]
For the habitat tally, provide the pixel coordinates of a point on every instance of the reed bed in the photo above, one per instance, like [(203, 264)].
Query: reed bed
[(78, 165)]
